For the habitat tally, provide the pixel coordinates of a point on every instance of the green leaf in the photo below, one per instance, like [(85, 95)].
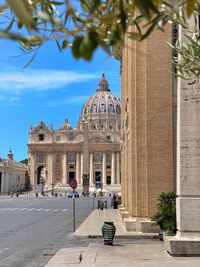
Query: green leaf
[(57, 3), (86, 48), (76, 47), (64, 44), (19, 25), (10, 25), (58, 45), (190, 7), (146, 7), (21, 12), (30, 61)]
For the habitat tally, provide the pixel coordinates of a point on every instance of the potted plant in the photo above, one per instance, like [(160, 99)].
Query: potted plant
[(165, 217)]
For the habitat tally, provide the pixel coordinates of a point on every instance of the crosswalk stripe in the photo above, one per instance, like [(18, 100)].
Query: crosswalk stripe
[(33, 209), (3, 250)]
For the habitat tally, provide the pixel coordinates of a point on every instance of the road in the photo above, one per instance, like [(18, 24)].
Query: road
[(33, 229)]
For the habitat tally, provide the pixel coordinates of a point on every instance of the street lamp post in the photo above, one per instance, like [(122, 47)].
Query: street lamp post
[(42, 182), (52, 185)]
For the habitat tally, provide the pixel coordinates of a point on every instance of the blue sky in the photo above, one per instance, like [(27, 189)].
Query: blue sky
[(53, 87)]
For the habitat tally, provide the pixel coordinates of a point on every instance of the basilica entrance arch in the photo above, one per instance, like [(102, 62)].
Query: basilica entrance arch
[(71, 176), (108, 180), (97, 176), (40, 175)]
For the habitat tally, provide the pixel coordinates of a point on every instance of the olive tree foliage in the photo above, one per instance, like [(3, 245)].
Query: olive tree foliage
[(85, 25)]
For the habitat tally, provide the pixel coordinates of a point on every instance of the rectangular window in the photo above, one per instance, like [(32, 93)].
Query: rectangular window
[(41, 137), (41, 158), (57, 138), (108, 158), (97, 157), (71, 158), (71, 137)]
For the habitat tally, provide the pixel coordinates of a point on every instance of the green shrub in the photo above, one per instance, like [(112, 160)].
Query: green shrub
[(165, 217)]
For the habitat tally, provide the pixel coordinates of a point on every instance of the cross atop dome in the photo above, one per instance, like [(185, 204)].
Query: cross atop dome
[(10, 155), (103, 84)]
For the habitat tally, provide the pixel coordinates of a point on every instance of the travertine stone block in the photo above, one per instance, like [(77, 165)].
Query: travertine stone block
[(124, 214), (188, 210), (182, 247), (147, 226), (130, 224)]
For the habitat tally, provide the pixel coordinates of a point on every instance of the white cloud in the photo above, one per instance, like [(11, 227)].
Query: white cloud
[(9, 100), (71, 100), (16, 81)]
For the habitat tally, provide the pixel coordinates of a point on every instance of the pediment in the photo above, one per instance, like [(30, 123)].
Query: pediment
[(99, 140)]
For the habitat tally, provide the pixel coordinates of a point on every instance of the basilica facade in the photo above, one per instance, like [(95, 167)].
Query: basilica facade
[(90, 150)]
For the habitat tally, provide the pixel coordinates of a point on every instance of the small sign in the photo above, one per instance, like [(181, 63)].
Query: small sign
[(73, 184), (98, 185)]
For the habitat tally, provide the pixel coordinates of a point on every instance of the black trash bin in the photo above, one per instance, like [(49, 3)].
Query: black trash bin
[(108, 231)]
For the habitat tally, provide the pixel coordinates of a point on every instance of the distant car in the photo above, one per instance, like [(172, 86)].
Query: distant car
[(73, 193)]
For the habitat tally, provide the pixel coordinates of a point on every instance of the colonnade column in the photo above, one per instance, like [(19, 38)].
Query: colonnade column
[(78, 176), (118, 168), (104, 169), (113, 169), (81, 176), (91, 169)]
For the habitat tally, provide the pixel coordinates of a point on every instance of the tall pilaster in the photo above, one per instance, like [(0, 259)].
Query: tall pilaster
[(50, 167), (118, 168), (104, 169), (85, 174), (81, 168), (78, 176), (187, 239), (33, 175), (91, 168), (113, 169), (64, 180)]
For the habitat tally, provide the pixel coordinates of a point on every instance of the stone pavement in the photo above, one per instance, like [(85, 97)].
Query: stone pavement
[(137, 251)]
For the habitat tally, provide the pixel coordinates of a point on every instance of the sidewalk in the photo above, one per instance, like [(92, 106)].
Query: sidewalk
[(91, 227), (140, 251)]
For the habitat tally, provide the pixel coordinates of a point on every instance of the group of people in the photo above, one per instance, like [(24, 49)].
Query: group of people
[(115, 201)]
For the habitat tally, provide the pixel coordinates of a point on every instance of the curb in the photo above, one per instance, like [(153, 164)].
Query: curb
[(154, 237)]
